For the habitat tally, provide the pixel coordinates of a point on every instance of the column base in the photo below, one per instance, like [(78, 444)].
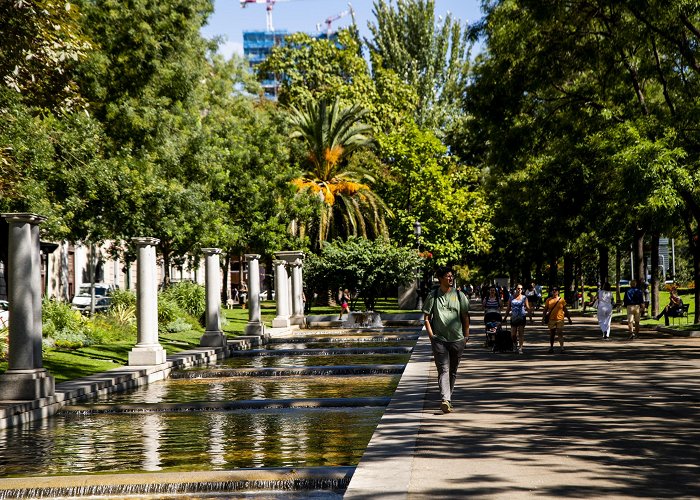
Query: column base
[(26, 384), (281, 322), (213, 339), (147, 356), (255, 328), (297, 319)]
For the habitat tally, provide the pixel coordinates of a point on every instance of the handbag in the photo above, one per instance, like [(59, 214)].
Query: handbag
[(547, 313)]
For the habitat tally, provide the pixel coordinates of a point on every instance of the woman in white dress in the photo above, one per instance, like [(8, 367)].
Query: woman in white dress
[(605, 309)]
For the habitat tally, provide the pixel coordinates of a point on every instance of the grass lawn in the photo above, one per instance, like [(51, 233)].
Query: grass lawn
[(663, 301), (68, 364)]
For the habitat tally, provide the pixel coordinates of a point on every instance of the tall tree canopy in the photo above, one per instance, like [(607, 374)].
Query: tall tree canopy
[(430, 55)]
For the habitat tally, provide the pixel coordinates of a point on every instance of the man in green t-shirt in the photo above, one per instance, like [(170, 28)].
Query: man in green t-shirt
[(446, 316)]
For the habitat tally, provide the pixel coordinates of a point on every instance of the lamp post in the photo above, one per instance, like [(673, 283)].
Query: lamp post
[(416, 232)]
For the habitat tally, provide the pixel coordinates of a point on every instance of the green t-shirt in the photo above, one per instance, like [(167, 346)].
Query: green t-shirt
[(445, 310)]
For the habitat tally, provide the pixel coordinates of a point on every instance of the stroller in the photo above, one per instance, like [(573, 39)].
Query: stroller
[(497, 338)]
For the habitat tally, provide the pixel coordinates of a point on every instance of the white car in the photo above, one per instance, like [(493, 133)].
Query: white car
[(81, 300), (4, 313)]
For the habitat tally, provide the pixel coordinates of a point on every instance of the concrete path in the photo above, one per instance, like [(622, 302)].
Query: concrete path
[(614, 419)]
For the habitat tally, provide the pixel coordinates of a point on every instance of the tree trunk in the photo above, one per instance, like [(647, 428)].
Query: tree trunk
[(654, 284), (638, 249), (694, 245), (579, 283), (166, 266), (618, 266), (696, 274), (225, 293), (569, 278), (92, 265), (525, 272), (538, 269), (603, 265), (553, 272), (268, 277)]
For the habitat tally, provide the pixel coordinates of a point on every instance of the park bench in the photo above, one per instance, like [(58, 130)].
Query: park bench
[(683, 313)]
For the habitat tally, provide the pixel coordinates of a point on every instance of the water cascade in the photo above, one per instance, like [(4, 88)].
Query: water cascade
[(292, 418)]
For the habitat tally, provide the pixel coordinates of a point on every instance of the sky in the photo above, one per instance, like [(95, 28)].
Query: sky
[(229, 19)]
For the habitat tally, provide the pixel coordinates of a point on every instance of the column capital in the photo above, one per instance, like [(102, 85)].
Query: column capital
[(24, 217), (278, 262), (252, 256), (290, 255), (211, 251), (143, 241)]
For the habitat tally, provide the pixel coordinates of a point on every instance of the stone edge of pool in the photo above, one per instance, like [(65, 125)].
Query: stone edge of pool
[(14, 413)]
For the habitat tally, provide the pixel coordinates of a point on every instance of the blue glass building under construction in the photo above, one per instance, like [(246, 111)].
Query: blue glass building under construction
[(257, 45)]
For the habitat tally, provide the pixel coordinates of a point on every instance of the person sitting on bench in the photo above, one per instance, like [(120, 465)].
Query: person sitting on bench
[(592, 303), (673, 309)]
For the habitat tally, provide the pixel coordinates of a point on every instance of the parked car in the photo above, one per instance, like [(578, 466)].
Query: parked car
[(4, 313), (103, 291)]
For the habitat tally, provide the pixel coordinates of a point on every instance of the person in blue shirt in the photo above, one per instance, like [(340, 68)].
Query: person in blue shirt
[(633, 301)]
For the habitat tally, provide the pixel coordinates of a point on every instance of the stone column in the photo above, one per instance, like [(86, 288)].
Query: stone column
[(255, 325), (213, 336), (297, 291), (148, 350), (281, 295), (36, 294), (25, 378)]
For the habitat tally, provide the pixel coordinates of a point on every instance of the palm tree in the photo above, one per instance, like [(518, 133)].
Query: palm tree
[(331, 134)]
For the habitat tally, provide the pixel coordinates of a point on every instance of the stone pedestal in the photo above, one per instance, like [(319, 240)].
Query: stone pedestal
[(148, 350), (25, 379), (281, 295), (255, 326), (213, 336)]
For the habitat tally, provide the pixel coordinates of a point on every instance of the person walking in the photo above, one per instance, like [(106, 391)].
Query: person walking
[(531, 295), (553, 316), (518, 308), (492, 302), (344, 300), (446, 317), (633, 301), (243, 294), (605, 309)]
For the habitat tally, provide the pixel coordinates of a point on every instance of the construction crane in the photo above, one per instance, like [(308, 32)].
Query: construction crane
[(330, 20), (269, 4)]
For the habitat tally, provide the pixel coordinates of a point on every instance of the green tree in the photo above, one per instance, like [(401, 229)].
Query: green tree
[(368, 268), (146, 87), (316, 69), (429, 55), (330, 134), (421, 182), (574, 91), (42, 42)]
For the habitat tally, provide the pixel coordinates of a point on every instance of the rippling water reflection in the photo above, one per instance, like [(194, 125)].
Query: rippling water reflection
[(73, 444)]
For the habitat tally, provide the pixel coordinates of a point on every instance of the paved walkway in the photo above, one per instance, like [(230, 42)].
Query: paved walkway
[(612, 419)]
